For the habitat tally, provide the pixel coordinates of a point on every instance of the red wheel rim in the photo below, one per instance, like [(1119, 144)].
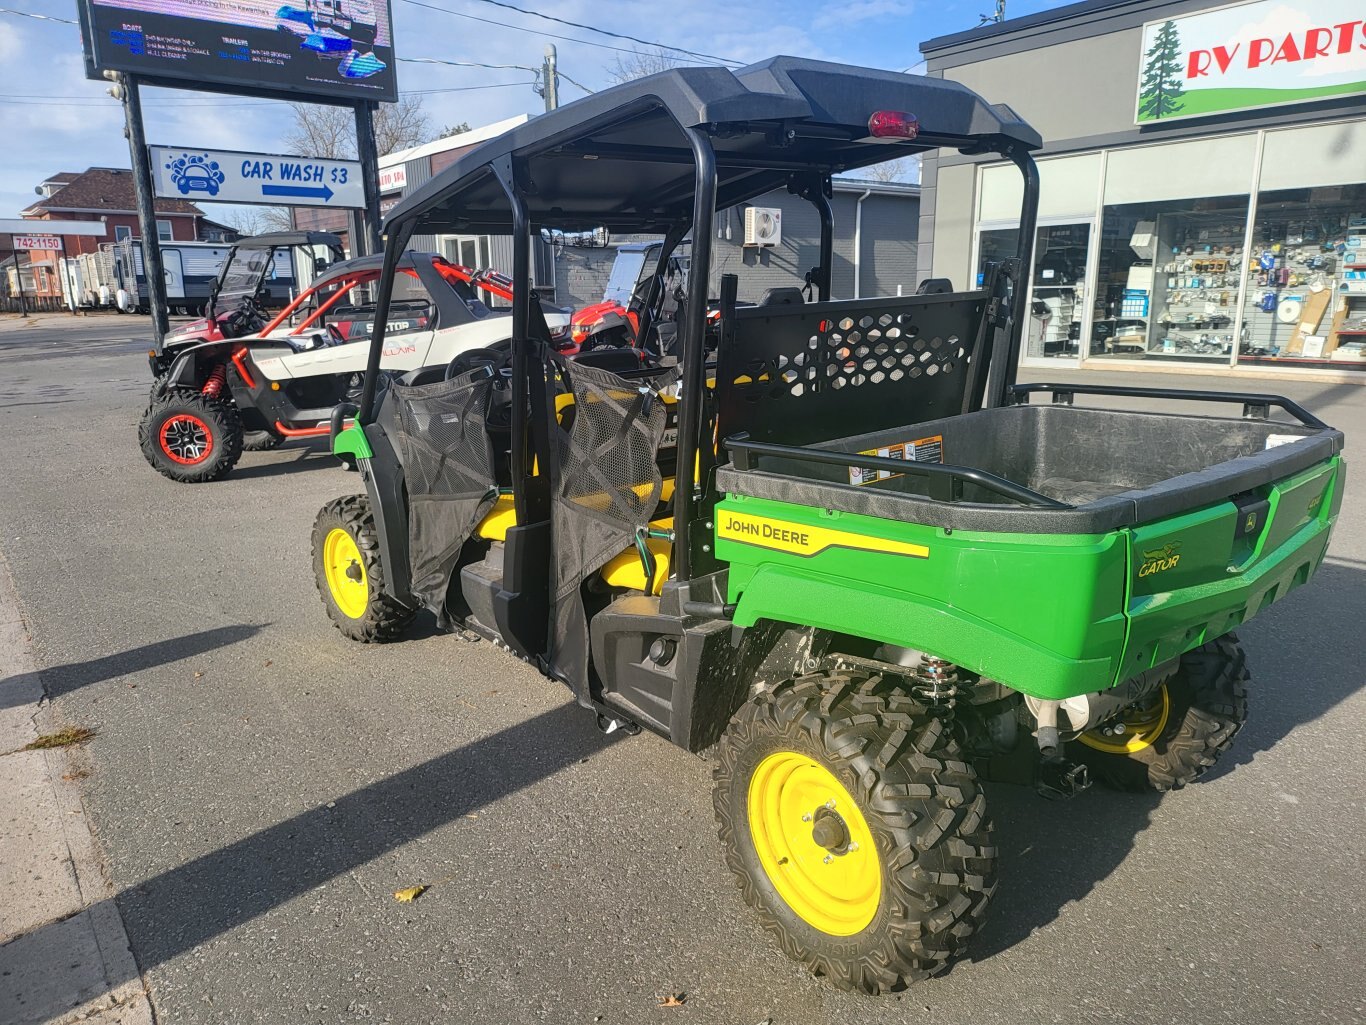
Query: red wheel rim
[(186, 439)]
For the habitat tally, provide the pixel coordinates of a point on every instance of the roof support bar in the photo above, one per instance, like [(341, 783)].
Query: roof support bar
[(694, 350), (1029, 220), (393, 249), (816, 190), (521, 318)]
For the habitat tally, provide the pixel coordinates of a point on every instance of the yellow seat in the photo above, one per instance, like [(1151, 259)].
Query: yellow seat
[(626, 570), (498, 521)]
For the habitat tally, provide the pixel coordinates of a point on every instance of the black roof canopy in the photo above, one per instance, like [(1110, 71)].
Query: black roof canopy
[(620, 158)]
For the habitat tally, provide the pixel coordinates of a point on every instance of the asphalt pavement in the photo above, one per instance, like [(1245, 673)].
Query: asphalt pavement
[(260, 787)]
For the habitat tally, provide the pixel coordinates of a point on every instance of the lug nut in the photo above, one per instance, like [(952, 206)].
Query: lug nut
[(806, 817), (828, 858)]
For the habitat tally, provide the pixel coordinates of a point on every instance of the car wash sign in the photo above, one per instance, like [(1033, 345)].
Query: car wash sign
[(1251, 56), (262, 179)]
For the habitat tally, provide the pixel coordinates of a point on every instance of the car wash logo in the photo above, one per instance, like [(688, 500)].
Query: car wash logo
[(195, 172), (1159, 560)]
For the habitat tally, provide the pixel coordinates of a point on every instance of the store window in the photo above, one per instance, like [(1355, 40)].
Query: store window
[(1306, 289), (1057, 301), (1167, 280), (993, 246)]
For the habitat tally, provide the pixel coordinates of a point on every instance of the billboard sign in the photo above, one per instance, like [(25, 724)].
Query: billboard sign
[(391, 178), (1250, 56), (37, 242), (226, 176), (329, 49)]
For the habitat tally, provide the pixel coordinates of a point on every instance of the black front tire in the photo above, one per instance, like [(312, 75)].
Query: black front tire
[(382, 618), (1206, 707), (190, 437), (936, 862)]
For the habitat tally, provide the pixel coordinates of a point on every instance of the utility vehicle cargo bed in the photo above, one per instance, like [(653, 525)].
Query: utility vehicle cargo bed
[(1090, 470)]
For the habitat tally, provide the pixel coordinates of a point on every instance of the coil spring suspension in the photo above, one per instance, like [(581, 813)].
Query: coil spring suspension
[(218, 377), (935, 681)]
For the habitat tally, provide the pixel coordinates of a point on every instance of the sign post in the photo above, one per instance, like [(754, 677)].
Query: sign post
[(369, 161), (147, 218)]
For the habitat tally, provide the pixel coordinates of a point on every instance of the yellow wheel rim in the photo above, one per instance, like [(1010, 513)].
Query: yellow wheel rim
[(794, 802), (345, 573), (1142, 728)]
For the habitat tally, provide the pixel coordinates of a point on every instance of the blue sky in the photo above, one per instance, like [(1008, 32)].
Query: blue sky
[(54, 119)]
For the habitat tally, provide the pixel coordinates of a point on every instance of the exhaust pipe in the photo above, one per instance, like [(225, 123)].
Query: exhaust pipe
[(1087, 711)]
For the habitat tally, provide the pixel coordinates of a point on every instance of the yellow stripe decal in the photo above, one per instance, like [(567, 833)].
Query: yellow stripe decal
[(804, 540)]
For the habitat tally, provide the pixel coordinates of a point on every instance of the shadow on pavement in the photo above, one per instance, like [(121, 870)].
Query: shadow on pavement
[(61, 680), (310, 455), (176, 911)]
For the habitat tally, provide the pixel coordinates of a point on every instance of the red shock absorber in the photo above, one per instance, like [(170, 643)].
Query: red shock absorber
[(218, 377)]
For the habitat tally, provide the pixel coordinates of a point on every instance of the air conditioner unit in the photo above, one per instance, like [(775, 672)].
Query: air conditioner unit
[(763, 226)]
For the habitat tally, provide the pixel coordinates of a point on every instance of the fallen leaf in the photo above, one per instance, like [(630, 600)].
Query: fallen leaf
[(198, 675), (71, 777), (407, 896), (267, 662), (62, 738), (674, 1000)]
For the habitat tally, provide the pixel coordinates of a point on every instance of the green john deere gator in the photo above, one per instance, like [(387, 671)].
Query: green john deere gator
[(830, 539)]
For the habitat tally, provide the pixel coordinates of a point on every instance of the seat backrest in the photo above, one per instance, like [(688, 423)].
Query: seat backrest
[(799, 375), (787, 295)]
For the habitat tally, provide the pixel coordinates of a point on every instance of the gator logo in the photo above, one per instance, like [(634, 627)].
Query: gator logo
[(1159, 560)]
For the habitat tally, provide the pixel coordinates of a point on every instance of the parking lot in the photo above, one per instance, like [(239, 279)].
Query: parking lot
[(260, 787)]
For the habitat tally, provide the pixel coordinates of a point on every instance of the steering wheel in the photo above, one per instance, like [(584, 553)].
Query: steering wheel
[(472, 359)]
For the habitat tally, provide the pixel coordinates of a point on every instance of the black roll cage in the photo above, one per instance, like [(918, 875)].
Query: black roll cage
[(531, 410)]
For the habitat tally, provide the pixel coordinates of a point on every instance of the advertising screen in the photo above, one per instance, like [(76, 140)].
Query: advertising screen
[(335, 49)]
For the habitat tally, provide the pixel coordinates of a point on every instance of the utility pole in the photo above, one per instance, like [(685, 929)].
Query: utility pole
[(126, 89), (550, 79)]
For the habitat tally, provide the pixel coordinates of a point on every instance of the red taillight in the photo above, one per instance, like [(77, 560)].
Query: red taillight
[(893, 124)]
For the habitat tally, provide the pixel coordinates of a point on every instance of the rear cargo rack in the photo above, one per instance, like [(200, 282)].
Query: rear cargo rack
[(945, 480), (1255, 406)]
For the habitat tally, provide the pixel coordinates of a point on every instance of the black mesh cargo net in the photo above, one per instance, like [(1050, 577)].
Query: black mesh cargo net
[(609, 488), (448, 467)]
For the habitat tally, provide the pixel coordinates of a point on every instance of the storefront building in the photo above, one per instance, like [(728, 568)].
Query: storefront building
[(1203, 183)]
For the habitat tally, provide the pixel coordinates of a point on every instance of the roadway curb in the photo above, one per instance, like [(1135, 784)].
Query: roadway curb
[(64, 953)]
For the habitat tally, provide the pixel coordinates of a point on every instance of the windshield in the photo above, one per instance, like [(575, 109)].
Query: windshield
[(625, 273), (244, 271)]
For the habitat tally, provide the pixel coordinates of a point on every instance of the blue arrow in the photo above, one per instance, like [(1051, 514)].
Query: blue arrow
[(297, 190)]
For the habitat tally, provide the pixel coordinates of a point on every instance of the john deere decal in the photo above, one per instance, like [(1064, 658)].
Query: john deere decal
[(804, 540)]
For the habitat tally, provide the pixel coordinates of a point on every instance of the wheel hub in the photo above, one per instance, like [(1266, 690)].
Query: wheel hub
[(1135, 729), (814, 843), (830, 831), (186, 439), (345, 574)]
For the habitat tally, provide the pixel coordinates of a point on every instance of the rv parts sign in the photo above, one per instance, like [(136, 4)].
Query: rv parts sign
[(1251, 56)]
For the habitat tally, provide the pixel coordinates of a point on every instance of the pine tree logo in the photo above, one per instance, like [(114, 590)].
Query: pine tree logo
[(1160, 91)]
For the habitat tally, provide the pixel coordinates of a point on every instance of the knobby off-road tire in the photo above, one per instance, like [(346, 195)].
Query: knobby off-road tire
[(350, 574), (935, 861), (190, 437), (261, 441), (1206, 706)]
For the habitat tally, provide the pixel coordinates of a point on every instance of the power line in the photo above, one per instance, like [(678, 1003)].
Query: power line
[(39, 17), (522, 28), (606, 32)]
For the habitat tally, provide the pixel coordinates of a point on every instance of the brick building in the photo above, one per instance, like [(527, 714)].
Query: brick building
[(107, 195)]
